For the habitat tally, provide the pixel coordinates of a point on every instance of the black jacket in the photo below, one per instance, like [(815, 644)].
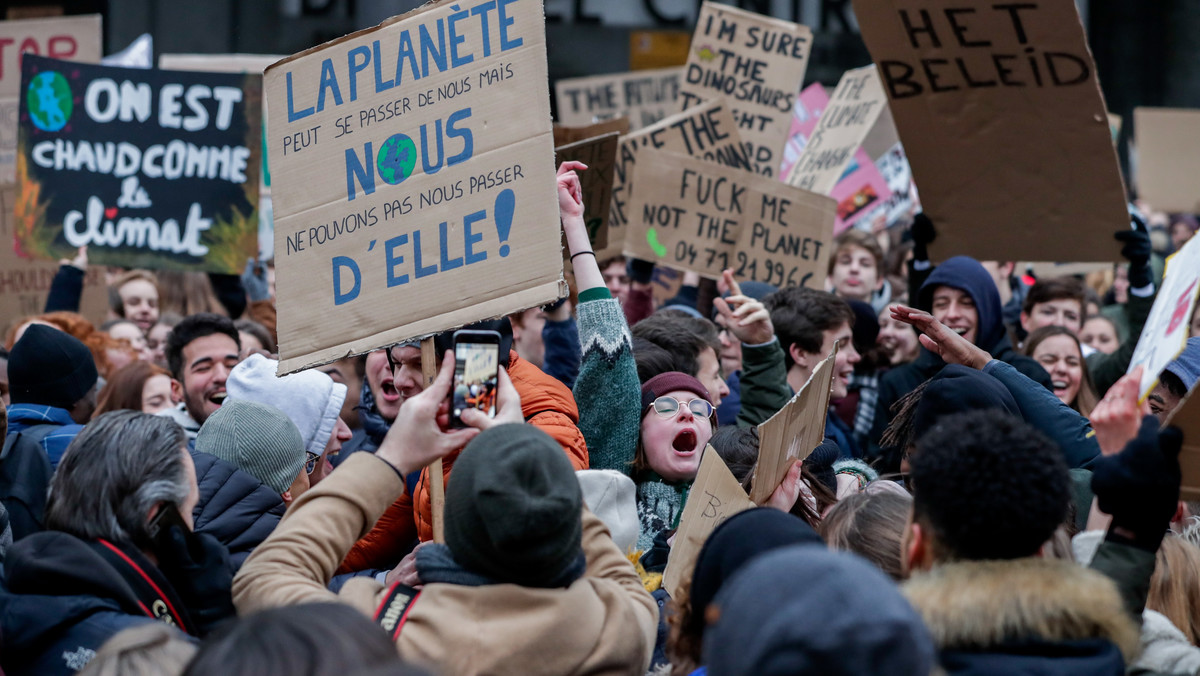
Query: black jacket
[(60, 601), (967, 274), (234, 507)]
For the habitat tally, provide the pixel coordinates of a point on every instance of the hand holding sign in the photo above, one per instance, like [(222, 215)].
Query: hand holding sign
[(788, 492), (940, 340)]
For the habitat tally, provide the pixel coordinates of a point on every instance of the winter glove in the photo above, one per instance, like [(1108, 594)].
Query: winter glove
[(1137, 251), (922, 233), (639, 271), (1139, 486), (254, 280), (197, 565)]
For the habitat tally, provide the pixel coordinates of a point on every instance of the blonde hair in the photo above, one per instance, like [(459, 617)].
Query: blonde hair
[(1175, 586), (870, 524)]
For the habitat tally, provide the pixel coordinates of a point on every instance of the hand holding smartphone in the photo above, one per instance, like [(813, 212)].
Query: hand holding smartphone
[(476, 374)]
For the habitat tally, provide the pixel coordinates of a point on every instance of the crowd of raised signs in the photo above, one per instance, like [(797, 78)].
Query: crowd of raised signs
[(989, 498)]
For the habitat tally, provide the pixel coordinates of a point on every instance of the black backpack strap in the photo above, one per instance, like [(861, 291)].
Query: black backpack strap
[(25, 477), (393, 612)]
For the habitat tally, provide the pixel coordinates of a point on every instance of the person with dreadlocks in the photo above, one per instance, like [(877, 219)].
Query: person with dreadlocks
[(973, 380)]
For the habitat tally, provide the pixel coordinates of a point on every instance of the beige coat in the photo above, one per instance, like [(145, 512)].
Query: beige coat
[(604, 623)]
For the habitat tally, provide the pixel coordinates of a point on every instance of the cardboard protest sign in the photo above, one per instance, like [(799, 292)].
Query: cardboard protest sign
[(1001, 116), (704, 131), (845, 122), (1168, 157), (564, 134), (860, 188), (658, 49), (1187, 418), (75, 38), (714, 497), (756, 63), (644, 96), (1114, 126), (695, 215), (147, 168), (793, 432), (600, 156), (413, 179), (1045, 270), (1166, 330), (24, 283)]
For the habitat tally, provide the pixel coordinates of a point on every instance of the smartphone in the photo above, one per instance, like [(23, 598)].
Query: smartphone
[(167, 516), (476, 374)]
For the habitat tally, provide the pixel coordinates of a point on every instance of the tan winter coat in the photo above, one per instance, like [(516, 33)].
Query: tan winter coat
[(604, 623)]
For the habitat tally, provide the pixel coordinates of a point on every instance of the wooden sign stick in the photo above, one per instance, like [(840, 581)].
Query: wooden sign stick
[(437, 490)]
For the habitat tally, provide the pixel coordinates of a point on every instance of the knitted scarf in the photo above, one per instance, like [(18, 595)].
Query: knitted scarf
[(372, 422), (659, 504)]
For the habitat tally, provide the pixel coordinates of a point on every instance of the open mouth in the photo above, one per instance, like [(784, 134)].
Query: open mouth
[(1059, 384), (390, 393), (685, 442), (960, 331), (218, 398)]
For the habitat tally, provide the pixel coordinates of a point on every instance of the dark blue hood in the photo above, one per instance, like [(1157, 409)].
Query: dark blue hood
[(965, 273)]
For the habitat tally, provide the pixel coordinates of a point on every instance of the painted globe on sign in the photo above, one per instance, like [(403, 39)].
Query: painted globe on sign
[(397, 157), (49, 101)]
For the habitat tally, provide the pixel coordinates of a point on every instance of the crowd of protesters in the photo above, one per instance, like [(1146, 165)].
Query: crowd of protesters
[(990, 497)]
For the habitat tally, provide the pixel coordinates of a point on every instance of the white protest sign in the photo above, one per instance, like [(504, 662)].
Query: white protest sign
[(849, 117), (1166, 330), (413, 179), (756, 63), (714, 497), (644, 96), (793, 432)]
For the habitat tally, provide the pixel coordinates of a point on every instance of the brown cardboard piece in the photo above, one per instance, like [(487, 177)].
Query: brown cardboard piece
[(564, 134), (419, 199), (694, 215), (1166, 330), (76, 38), (853, 110), (1168, 158), (600, 156), (1187, 418), (715, 496), (1003, 123), (704, 131), (24, 283), (644, 96), (757, 64), (793, 432), (658, 49)]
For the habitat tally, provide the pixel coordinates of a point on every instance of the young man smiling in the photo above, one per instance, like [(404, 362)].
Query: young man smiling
[(201, 351)]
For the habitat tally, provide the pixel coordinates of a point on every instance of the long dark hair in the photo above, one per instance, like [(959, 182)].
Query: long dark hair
[(1086, 398)]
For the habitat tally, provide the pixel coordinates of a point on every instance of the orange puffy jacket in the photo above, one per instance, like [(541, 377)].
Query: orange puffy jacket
[(545, 402)]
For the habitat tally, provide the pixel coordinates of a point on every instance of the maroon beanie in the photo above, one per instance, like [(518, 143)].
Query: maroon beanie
[(670, 381)]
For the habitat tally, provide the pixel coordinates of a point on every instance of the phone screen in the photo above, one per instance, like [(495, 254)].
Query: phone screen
[(476, 370)]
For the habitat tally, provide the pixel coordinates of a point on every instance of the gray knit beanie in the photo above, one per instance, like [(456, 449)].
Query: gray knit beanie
[(514, 509), (258, 439)]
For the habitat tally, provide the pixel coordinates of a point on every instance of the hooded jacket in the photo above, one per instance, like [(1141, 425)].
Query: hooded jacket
[(60, 602), (1024, 616), (234, 507), (545, 402), (965, 273), (601, 624)]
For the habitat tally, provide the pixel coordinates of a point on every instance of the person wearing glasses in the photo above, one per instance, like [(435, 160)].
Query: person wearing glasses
[(656, 432)]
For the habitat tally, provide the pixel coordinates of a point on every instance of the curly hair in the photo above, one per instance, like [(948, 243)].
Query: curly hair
[(988, 485)]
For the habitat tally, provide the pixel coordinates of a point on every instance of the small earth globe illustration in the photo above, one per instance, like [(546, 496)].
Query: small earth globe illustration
[(49, 101), (397, 157)]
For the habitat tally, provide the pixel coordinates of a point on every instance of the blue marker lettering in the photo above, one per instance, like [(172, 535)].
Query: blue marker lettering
[(328, 83), (481, 10), (506, 21), (472, 238), (355, 67), (292, 114), (393, 259)]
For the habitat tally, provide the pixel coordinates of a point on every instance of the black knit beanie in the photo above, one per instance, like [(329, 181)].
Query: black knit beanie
[(514, 507), (50, 367)]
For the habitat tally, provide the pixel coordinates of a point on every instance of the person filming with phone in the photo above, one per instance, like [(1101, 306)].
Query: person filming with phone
[(118, 550)]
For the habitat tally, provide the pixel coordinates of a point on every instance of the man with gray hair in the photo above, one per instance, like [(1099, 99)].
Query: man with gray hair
[(118, 550)]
